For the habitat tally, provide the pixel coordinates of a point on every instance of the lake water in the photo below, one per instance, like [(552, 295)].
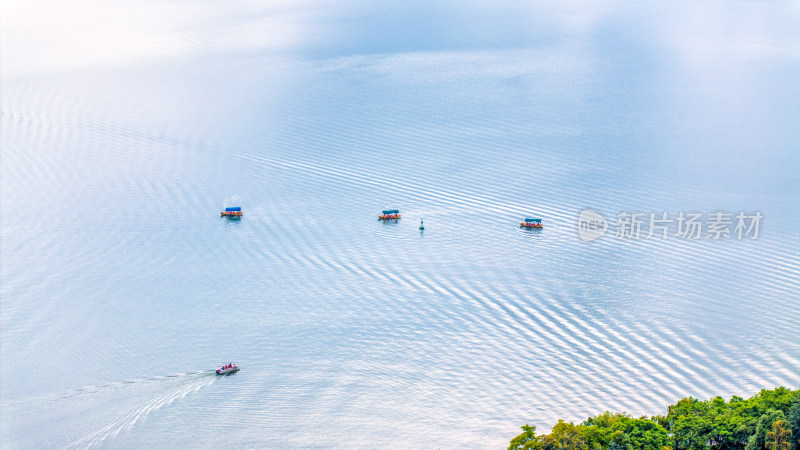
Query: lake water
[(127, 128)]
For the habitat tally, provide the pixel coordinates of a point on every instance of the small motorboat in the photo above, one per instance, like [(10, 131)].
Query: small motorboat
[(531, 223), (227, 368), (389, 214), (235, 211)]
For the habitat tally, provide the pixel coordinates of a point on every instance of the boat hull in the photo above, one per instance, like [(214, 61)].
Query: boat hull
[(388, 216)]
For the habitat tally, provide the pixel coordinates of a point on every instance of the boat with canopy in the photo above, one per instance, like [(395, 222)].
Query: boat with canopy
[(531, 223), (235, 211), (389, 214)]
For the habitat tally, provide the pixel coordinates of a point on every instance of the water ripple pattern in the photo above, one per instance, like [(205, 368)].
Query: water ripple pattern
[(117, 266)]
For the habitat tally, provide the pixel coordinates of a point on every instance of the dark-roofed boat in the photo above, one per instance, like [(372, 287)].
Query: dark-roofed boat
[(389, 214), (232, 212), (531, 223)]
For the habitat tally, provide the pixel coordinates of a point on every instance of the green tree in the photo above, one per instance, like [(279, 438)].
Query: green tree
[(617, 431), (598, 431), (759, 438), (779, 398), (642, 434), (778, 438), (729, 430), (527, 440), (793, 419), (564, 436), (618, 441), (697, 424), (689, 423)]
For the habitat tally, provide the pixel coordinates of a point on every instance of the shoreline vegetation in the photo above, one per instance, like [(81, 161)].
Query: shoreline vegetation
[(768, 420)]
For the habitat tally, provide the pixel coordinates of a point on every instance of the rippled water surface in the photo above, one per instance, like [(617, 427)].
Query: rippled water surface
[(126, 128)]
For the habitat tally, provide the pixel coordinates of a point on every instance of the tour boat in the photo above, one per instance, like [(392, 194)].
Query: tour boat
[(389, 214), (531, 223), (232, 212), (226, 369)]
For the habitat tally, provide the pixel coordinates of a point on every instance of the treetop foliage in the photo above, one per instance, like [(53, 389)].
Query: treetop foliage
[(690, 424)]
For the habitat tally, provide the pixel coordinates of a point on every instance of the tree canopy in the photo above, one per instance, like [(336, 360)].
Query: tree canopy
[(690, 424)]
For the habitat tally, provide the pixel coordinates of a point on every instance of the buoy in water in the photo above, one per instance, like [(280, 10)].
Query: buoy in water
[(421, 225)]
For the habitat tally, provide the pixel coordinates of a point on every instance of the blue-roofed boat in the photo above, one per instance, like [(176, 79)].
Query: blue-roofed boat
[(389, 214), (531, 223), (235, 211)]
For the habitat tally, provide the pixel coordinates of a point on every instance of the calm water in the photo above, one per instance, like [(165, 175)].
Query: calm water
[(126, 128)]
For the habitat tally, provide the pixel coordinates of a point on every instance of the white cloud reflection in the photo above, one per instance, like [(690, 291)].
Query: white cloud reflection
[(47, 35), (40, 36)]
